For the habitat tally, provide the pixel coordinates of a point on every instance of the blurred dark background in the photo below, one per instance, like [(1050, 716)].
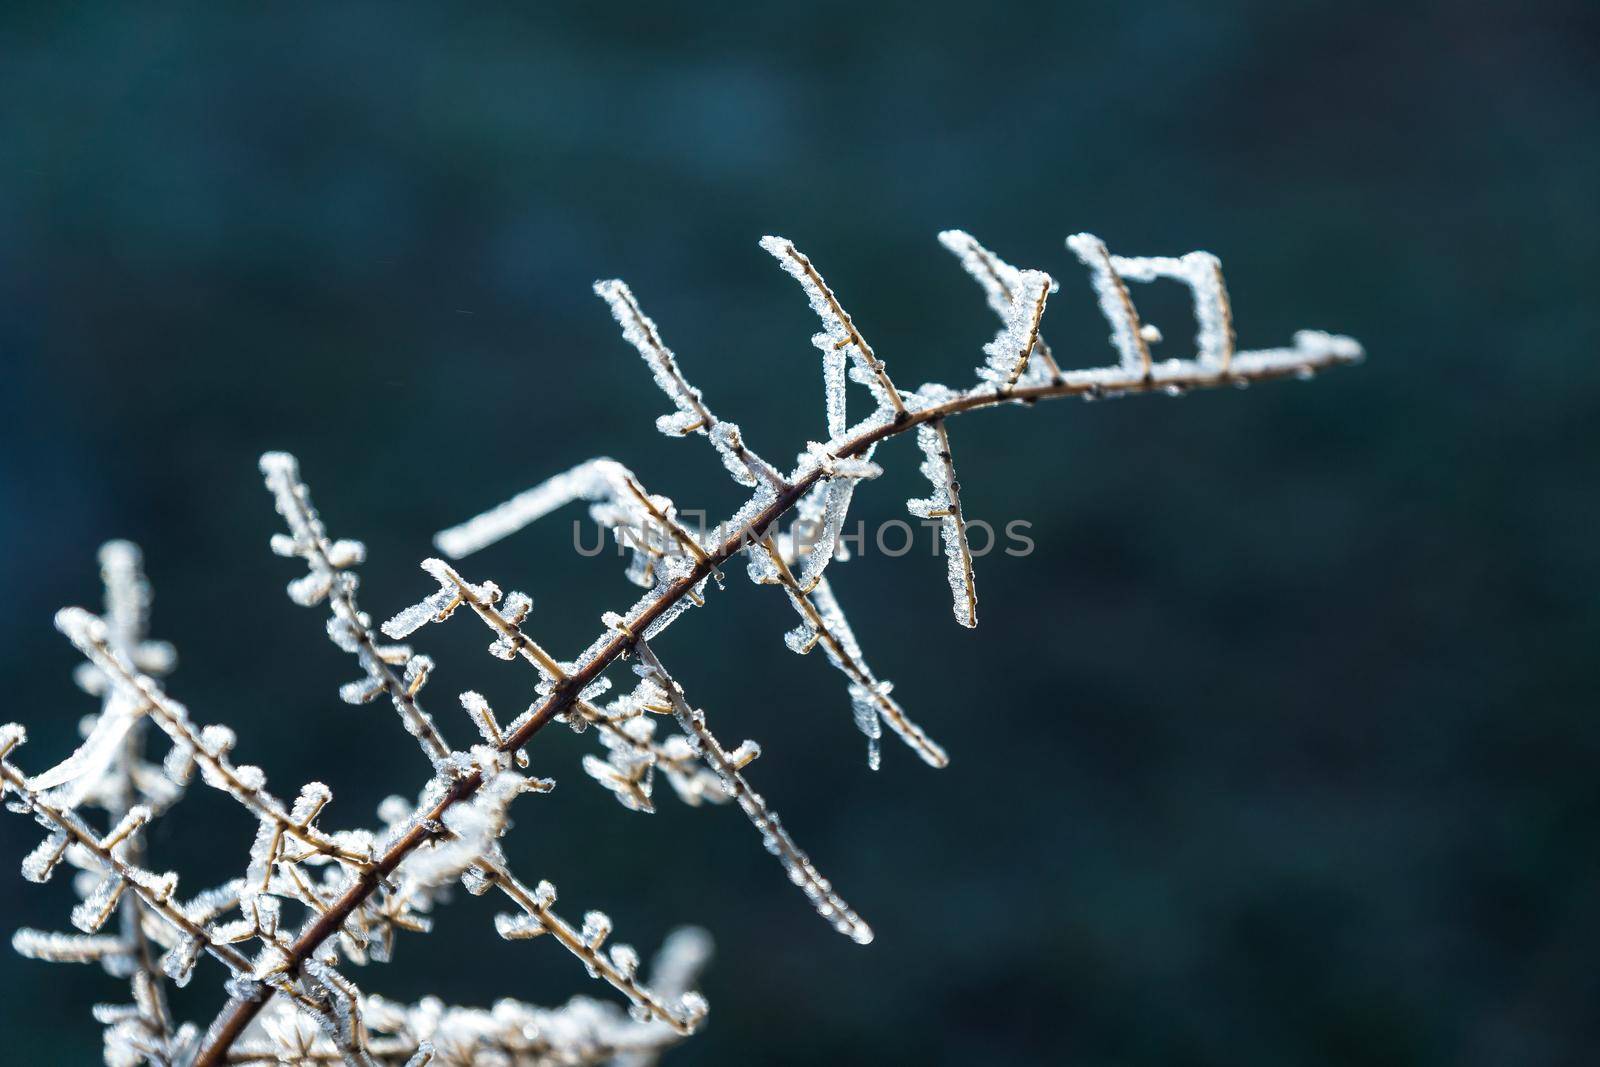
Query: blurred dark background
[(1282, 747)]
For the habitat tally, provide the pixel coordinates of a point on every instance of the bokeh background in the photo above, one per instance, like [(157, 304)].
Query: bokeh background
[(1280, 749)]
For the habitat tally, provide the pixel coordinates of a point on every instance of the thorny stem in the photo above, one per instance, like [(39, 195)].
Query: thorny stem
[(236, 1016)]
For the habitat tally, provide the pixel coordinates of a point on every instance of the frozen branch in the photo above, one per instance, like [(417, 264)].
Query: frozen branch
[(356, 889), (729, 766), (329, 576), (945, 506)]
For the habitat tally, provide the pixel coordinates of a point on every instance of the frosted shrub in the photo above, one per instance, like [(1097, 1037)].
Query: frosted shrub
[(313, 901)]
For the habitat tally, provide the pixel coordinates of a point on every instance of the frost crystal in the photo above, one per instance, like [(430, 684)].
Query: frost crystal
[(38, 865), (1010, 353), (432, 609), (178, 964), (517, 927), (1115, 304), (596, 928), (824, 521), (944, 504), (96, 908), (1002, 285), (1202, 273), (472, 827)]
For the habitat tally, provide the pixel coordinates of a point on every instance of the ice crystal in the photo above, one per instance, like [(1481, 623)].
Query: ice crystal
[(38, 865), (471, 830), (1003, 285), (1010, 353), (1115, 304), (944, 505), (1202, 273)]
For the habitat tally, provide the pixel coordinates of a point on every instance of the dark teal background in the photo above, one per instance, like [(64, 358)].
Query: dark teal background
[(1281, 749)]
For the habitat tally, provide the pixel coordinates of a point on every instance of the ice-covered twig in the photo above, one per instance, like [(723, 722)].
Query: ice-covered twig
[(1011, 352), (730, 768), (103, 766), (673, 972), (1002, 284), (581, 1032), (208, 747), (692, 416), (1127, 334), (464, 842), (639, 520), (634, 755), (618, 966), (823, 623), (107, 853), (330, 576), (1202, 273), (633, 752), (506, 621), (945, 506), (839, 337), (109, 770)]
